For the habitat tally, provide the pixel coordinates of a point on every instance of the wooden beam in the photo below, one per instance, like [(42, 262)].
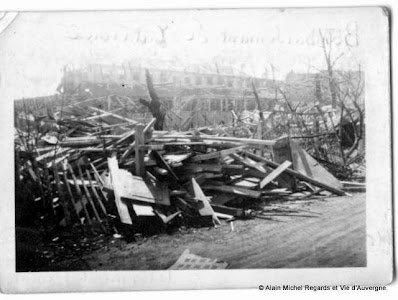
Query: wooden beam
[(234, 190), (206, 210), (260, 136), (139, 153), (131, 148), (235, 212), (275, 173)]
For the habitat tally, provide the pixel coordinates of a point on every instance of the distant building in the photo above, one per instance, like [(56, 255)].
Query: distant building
[(188, 88), (311, 88)]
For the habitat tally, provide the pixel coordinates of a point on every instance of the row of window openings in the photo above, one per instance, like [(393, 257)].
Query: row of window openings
[(222, 105), (198, 80), (188, 80)]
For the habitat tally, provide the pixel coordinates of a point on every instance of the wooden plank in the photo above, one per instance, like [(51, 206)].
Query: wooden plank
[(53, 154), (249, 163), (143, 210), (232, 167), (112, 114), (79, 193), (298, 175), (117, 190), (218, 154), (275, 173), (197, 168), (254, 173), (69, 190), (82, 143), (136, 189), (93, 188), (206, 210), (176, 158), (224, 216), (234, 190), (152, 147), (236, 212), (217, 138), (97, 175), (125, 136), (353, 183), (221, 199), (307, 165), (282, 152), (133, 187), (101, 115), (260, 123), (258, 170), (149, 125)]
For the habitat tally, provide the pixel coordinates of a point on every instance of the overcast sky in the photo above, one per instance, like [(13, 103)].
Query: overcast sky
[(36, 46)]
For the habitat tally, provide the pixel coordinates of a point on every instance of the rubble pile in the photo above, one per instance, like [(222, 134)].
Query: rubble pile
[(94, 167)]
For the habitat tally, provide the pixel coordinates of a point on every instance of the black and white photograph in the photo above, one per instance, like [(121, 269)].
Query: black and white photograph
[(201, 140)]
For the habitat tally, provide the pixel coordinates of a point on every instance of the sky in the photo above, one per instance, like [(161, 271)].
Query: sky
[(36, 46)]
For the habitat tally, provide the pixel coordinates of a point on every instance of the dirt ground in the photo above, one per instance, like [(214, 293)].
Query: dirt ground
[(329, 232), (319, 233)]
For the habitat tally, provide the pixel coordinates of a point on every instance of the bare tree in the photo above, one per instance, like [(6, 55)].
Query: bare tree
[(156, 106), (327, 42), (350, 93)]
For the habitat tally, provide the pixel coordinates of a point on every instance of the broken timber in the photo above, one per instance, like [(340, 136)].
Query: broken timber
[(207, 209), (298, 175), (234, 190), (275, 173)]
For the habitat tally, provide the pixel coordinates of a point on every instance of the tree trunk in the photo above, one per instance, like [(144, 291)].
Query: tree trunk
[(332, 85), (155, 106)]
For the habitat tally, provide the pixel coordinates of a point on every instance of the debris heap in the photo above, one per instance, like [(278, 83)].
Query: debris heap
[(107, 171)]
